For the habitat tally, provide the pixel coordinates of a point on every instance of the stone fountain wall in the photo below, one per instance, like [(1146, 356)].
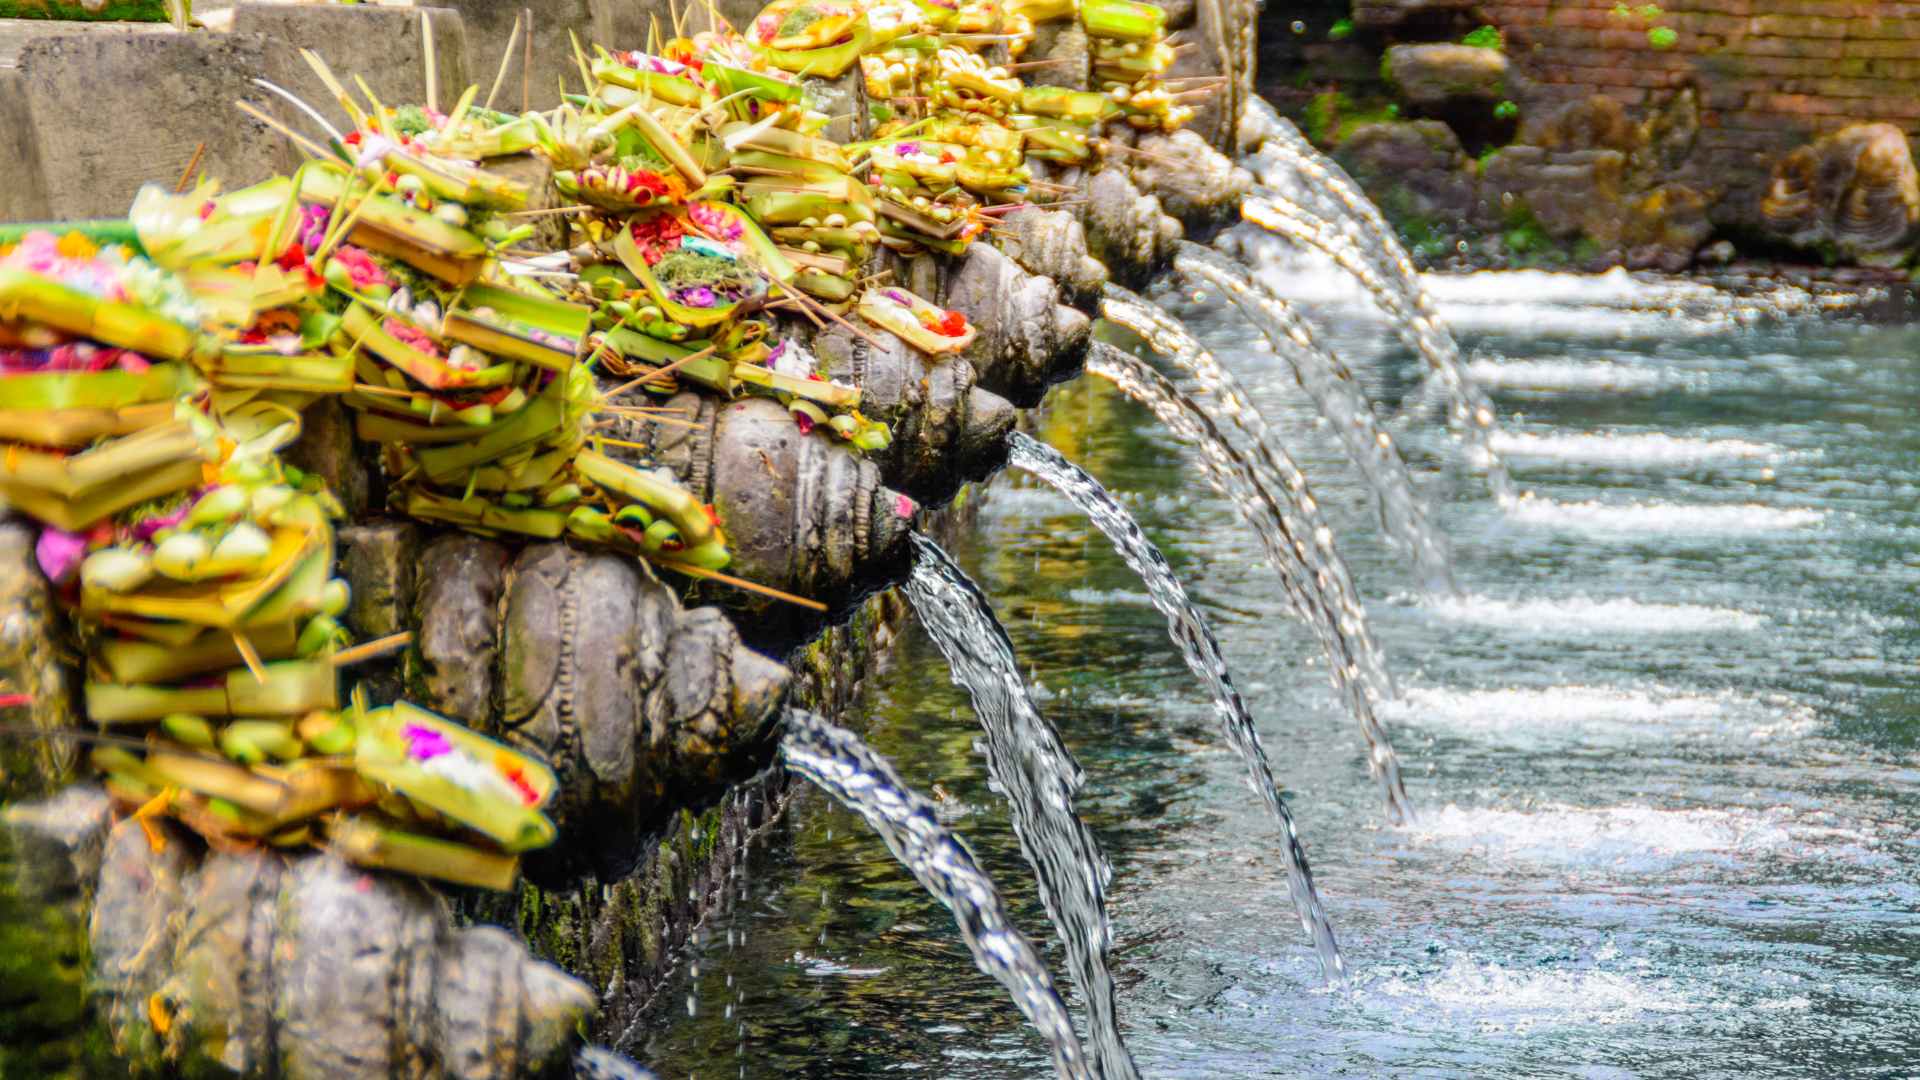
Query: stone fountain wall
[(1637, 133), (659, 713)]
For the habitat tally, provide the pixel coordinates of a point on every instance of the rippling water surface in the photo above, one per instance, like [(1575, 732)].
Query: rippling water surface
[(1665, 745)]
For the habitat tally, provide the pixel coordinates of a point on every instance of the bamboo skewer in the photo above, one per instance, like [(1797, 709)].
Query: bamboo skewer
[(251, 657), (193, 163), (739, 583), (657, 373), (506, 58), (372, 649), (526, 65), (432, 65)]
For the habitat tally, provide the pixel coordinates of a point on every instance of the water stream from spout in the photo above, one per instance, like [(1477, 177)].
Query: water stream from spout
[(1230, 471), (1197, 644), (1320, 558), (1403, 514), (1414, 318), (839, 763), (1033, 768)]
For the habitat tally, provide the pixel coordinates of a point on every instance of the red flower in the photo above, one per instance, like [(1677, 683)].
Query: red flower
[(953, 325)]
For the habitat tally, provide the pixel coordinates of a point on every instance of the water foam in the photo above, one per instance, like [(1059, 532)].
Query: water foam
[(1587, 714), (1581, 615), (1624, 518), (1634, 839), (1495, 998), (1641, 450), (1569, 375)]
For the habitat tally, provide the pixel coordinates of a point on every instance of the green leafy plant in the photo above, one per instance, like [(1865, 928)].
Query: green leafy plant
[(1487, 37), (1340, 30), (1506, 110), (1662, 37)]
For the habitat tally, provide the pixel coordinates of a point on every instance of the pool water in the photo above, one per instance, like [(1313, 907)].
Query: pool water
[(1665, 745)]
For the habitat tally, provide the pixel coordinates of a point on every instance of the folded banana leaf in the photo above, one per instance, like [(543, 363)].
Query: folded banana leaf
[(225, 604), (363, 325), (26, 297), (77, 513), (484, 516), (671, 89), (459, 182), (291, 688), (129, 660), (658, 494), (925, 326), (390, 227), (1123, 20), (482, 784), (365, 842), (519, 326)]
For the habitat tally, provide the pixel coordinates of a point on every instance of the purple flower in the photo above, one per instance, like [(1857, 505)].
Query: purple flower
[(313, 227), (59, 553), (699, 296), (425, 743), (906, 148), (145, 529)]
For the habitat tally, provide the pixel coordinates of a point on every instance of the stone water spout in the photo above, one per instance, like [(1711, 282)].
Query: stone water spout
[(803, 513), (258, 963), (947, 429)]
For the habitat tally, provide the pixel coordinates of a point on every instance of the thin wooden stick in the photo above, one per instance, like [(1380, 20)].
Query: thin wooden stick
[(372, 649), (293, 136), (670, 421), (660, 372), (1049, 62), (548, 212), (386, 391), (1109, 144), (193, 163), (433, 67), (526, 65), (506, 58), (252, 658), (821, 309), (739, 583)]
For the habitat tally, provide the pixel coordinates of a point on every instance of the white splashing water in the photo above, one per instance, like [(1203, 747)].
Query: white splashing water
[(1675, 518), (1581, 713), (1635, 839), (1493, 998), (1581, 615), (1639, 450), (1570, 376)]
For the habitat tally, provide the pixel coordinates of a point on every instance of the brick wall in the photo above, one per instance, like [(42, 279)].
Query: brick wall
[(1769, 73)]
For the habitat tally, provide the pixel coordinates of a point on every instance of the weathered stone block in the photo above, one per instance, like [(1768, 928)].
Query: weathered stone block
[(94, 93), (1434, 76), (1856, 189), (1416, 170)]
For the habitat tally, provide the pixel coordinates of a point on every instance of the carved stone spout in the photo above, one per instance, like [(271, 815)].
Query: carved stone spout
[(803, 513), (255, 963), (1028, 339), (589, 660), (946, 430)]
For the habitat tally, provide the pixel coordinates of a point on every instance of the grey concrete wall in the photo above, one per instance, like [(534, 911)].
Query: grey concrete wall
[(382, 45), (108, 111)]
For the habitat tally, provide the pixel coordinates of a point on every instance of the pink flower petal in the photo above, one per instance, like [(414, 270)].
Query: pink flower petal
[(59, 553)]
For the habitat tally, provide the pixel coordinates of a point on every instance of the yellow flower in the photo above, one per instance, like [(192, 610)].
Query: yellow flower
[(76, 245)]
